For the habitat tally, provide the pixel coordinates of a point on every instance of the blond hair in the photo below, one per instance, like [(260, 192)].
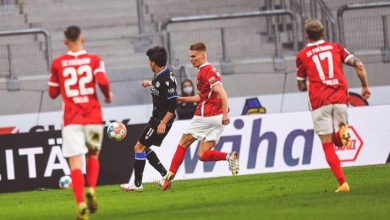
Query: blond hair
[(314, 29)]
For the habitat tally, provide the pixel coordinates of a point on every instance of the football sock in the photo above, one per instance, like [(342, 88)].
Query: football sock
[(155, 162), (92, 171), (139, 166), (334, 162), (78, 185), (177, 158), (213, 155)]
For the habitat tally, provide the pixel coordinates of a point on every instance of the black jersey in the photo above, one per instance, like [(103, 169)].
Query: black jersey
[(164, 95)]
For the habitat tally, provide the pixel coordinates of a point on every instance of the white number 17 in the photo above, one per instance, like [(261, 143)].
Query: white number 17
[(322, 56)]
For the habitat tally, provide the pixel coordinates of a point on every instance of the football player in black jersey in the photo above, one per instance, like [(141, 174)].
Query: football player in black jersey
[(163, 90)]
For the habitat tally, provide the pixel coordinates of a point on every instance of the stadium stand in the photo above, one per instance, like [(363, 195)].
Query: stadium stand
[(242, 48)]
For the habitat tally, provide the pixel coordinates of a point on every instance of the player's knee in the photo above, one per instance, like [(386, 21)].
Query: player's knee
[(201, 156), (138, 148)]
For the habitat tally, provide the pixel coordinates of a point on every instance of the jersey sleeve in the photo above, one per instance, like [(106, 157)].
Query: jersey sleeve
[(171, 94), (101, 77), (301, 69), (54, 83), (171, 88), (213, 77), (344, 53)]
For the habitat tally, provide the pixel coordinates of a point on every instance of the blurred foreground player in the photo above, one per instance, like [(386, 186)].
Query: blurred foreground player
[(211, 115), (320, 63), (74, 76)]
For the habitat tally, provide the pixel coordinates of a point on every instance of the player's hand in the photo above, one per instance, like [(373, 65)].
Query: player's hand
[(179, 99), (366, 93), (226, 119), (109, 98), (161, 128), (146, 83)]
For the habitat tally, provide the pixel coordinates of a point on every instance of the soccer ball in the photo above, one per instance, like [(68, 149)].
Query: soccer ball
[(65, 182), (116, 131)]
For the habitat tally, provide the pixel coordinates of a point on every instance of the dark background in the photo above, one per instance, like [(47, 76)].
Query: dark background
[(116, 159)]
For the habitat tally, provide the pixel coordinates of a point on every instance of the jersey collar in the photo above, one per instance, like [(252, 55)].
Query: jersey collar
[(316, 43), (76, 54), (162, 72), (205, 64)]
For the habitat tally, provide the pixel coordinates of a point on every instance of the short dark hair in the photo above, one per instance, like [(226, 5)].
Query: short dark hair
[(72, 33), (198, 46), (314, 29), (158, 55)]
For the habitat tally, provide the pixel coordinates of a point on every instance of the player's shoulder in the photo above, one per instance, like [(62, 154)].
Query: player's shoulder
[(92, 56), (168, 78)]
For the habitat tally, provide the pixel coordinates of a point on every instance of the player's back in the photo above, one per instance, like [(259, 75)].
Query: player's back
[(322, 64), (75, 73)]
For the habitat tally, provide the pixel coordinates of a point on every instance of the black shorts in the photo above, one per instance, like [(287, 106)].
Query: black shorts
[(150, 137)]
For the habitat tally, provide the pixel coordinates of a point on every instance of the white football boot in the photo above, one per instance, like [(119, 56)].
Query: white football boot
[(131, 188), (234, 164)]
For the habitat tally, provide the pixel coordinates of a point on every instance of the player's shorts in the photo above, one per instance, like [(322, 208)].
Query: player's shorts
[(206, 128), (326, 119), (76, 138), (150, 137)]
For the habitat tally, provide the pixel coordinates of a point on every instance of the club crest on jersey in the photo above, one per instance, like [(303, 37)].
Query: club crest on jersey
[(154, 90), (157, 84), (167, 83)]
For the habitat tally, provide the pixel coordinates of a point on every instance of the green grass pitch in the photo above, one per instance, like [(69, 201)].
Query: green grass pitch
[(290, 195)]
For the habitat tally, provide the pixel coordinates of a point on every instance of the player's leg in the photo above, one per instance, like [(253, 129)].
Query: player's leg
[(178, 158), (214, 132), (152, 157), (341, 137), (206, 154), (145, 140), (74, 149), (323, 125), (94, 136)]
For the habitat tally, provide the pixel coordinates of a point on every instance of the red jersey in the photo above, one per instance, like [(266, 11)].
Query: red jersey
[(322, 64), (210, 104), (75, 75)]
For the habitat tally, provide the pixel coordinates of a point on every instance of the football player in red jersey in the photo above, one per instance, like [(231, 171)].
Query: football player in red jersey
[(74, 76), (320, 64), (211, 114)]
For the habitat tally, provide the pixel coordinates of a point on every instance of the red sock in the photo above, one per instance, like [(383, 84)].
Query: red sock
[(78, 185), (213, 155), (177, 158), (334, 162), (92, 171)]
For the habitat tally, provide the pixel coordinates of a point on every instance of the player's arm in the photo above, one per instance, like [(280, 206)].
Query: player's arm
[(104, 85), (163, 123), (172, 105), (220, 91), (146, 83), (302, 85), (362, 74), (301, 75), (102, 80), (54, 86), (195, 98)]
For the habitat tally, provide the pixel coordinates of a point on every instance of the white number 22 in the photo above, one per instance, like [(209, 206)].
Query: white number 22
[(86, 77), (322, 56)]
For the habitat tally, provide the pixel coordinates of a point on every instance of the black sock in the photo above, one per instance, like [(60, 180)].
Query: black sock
[(155, 162), (139, 166)]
